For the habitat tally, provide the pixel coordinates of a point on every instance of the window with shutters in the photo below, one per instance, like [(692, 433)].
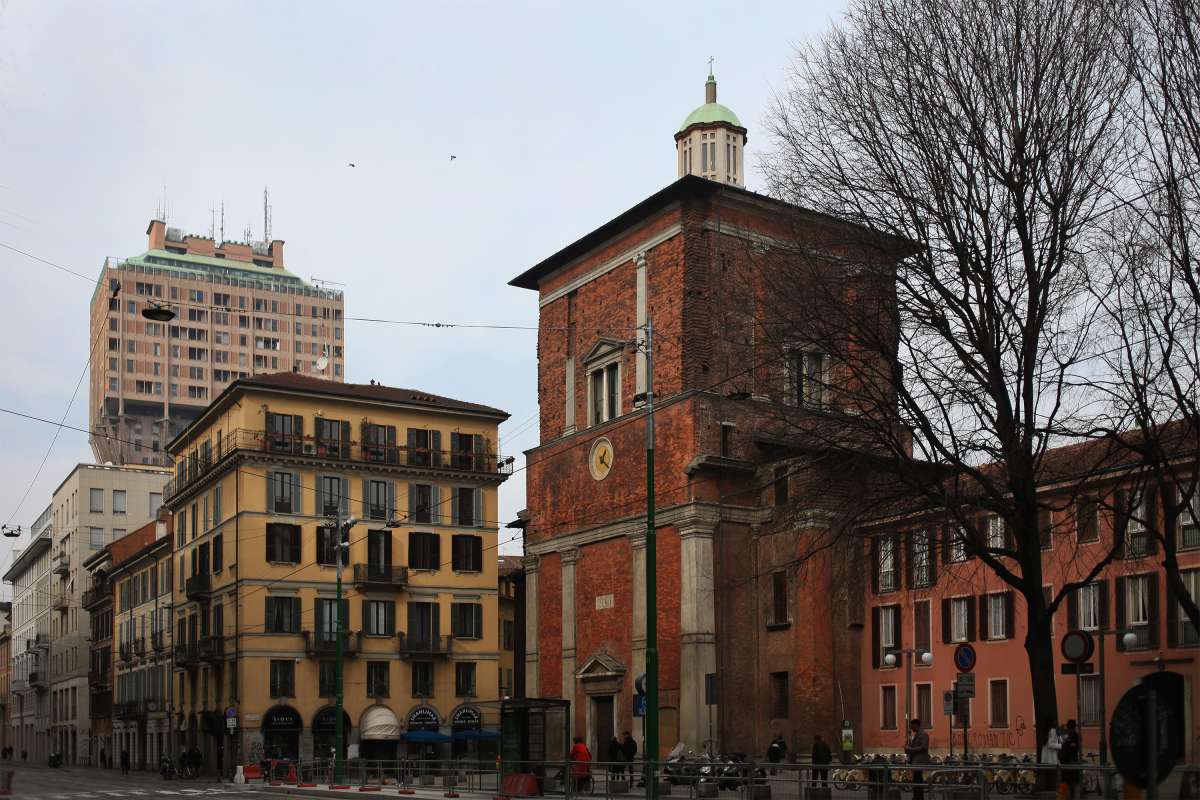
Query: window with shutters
[(379, 617), (998, 703), (327, 678), (327, 551), (284, 433), (889, 619), (283, 615), (466, 620), (283, 543), (1189, 522), (995, 532), (887, 564), (958, 543), (422, 502), (960, 619), (887, 715), (923, 638), (333, 438), (283, 678), (377, 501), (422, 678), (1137, 534), (466, 451), (423, 626), (1086, 529), (331, 495), (467, 553), (464, 679), (424, 551), (1089, 696), (379, 443), (779, 598), (378, 678), (779, 695), (424, 447), (1088, 598), (604, 394), (326, 613), (467, 506), (997, 618), (925, 705), (1188, 634), (922, 558), (1137, 608), (283, 500)]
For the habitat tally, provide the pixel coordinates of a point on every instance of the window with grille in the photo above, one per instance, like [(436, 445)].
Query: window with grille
[(466, 620), (998, 699), (995, 533), (925, 705), (1089, 695), (779, 695), (887, 717)]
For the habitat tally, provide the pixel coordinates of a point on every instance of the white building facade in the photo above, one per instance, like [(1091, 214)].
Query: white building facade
[(29, 705)]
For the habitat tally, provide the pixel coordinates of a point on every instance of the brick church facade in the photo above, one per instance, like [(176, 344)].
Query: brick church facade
[(781, 636)]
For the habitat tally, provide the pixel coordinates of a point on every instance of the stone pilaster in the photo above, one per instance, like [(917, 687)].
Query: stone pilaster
[(637, 549), (531, 625), (698, 649), (568, 557)]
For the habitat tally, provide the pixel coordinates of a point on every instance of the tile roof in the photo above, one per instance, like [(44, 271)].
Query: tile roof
[(365, 391)]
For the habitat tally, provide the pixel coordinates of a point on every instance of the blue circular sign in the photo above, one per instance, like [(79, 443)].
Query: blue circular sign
[(964, 657)]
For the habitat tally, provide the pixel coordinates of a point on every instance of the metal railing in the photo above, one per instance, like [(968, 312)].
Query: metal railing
[(380, 575), (192, 468), (93, 595), (424, 645), (325, 644), (198, 587), (211, 648)]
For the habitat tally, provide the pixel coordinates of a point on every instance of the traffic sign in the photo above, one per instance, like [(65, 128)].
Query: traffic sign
[(964, 657), (965, 685), (639, 705), (948, 703), (1077, 646)]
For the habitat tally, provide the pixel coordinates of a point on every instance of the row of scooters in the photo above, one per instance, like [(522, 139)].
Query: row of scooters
[(727, 771)]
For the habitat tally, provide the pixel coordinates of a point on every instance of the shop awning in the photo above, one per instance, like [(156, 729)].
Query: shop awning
[(379, 724), (426, 737), (469, 736)]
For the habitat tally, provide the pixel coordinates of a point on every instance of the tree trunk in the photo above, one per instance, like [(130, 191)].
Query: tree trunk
[(1039, 646)]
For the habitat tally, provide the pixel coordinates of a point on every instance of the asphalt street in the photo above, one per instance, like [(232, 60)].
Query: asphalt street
[(91, 783)]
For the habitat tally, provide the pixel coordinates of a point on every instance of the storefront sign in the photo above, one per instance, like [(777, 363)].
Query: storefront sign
[(466, 718), (423, 718)]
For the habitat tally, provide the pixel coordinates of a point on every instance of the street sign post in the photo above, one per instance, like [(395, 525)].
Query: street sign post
[(965, 685), (964, 661)]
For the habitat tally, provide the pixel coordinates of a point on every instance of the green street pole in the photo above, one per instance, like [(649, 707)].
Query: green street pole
[(651, 581)]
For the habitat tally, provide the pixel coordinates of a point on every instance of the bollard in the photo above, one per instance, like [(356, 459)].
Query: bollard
[(239, 776)]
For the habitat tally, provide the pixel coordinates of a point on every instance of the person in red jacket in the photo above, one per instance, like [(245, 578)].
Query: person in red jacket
[(581, 762)]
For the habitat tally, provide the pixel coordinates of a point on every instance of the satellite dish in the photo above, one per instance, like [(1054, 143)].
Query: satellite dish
[(322, 363)]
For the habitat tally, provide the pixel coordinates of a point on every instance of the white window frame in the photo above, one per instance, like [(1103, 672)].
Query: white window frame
[(801, 391), (601, 366), (887, 631), (956, 603), (1088, 601), (996, 613), (1137, 598), (995, 532), (958, 545), (922, 556)]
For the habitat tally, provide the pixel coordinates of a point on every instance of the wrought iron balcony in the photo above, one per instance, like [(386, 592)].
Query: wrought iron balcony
[(61, 564), (191, 468), (94, 596), (381, 575), (325, 644), (60, 601), (211, 648), (424, 646), (187, 655), (198, 587)]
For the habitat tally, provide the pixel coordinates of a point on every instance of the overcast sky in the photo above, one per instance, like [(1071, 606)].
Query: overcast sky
[(560, 115)]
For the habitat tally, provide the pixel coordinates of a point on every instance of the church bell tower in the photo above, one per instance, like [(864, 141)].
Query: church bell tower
[(711, 142)]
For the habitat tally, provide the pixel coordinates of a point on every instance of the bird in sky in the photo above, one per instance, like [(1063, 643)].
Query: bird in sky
[(452, 157), (352, 163)]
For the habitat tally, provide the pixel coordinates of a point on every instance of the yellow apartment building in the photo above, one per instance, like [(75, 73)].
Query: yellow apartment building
[(262, 477)]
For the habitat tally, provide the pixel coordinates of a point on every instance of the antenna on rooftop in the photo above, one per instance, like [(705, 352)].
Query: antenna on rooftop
[(212, 227), (222, 220), (266, 215), (247, 233)]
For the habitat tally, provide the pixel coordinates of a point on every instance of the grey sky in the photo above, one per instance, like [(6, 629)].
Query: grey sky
[(560, 115)]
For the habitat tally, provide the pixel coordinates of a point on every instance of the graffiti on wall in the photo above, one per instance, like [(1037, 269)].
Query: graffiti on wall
[(1014, 738)]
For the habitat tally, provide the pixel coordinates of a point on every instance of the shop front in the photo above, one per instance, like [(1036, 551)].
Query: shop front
[(422, 737), (470, 741), (281, 729), (324, 732), (379, 734)]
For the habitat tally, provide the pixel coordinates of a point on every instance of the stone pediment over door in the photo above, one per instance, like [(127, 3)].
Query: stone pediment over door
[(601, 674)]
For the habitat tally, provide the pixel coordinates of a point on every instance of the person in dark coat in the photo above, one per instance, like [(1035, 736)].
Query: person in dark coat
[(776, 751), (615, 758), (124, 762), (629, 749), (821, 754), (917, 748), (1068, 753)]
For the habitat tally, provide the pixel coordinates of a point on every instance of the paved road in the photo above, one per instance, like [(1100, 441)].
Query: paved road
[(90, 783)]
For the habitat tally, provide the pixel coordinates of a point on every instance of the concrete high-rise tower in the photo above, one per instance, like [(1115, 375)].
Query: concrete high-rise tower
[(711, 142)]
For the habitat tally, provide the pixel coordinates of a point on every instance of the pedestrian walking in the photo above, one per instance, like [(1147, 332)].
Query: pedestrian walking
[(124, 762), (917, 749), (1068, 754), (776, 752), (629, 748), (103, 758), (581, 762), (821, 755)]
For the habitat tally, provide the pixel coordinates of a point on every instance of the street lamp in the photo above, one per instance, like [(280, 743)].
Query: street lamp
[(1129, 638), (926, 659)]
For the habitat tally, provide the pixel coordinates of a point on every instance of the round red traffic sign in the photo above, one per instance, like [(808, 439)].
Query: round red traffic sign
[(1077, 646), (964, 657)]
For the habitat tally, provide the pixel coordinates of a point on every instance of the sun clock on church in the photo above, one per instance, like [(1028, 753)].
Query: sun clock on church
[(600, 458)]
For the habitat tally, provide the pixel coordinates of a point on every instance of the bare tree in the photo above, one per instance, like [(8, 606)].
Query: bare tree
[(1150, 294), (980, 140)]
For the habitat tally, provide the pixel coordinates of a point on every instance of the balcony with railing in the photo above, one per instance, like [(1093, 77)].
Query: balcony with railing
[(60, 601), (61, 563), (190, 469), (324, 644), (424, 646), (38, 679), (198, 587), (380, 575), (94, 595), (211, 648), (187, 655)]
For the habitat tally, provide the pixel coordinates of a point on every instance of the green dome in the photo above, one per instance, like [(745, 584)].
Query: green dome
[(710, 113)]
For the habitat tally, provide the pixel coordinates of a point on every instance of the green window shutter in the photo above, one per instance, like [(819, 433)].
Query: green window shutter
[(368, 625), (454, 505), (297, 494), (270, 491), (391, 512), (344, 500), (435, 505), (320, 495), (389, 618), (366, 498)]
